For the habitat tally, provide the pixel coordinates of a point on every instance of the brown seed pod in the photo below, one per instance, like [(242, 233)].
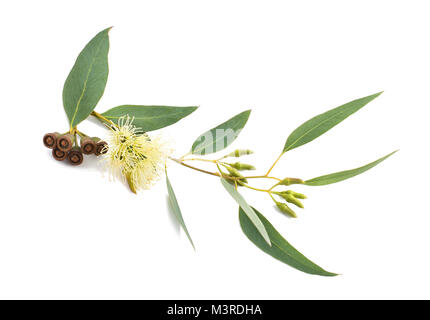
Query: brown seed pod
[(75, 156), (88, 146), (101, 147), (50, 140), (65, 142), (59, 154)]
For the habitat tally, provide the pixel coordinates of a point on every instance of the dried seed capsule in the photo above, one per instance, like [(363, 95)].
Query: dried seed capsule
[(65, 142), (88, 146), (75, 156), (50, 140), (240, 152), (59, 154), (101, 147), (286, 209), (241, 166), (290, 181)]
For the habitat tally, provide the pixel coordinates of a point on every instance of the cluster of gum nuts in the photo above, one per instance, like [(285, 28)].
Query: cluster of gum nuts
[(66, 146)]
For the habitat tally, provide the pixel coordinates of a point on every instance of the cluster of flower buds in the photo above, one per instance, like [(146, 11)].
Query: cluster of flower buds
[(234, 168), (236, 174), (66, 146), (291, 197)]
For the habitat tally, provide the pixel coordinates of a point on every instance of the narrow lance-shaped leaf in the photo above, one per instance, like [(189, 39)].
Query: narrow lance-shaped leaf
[(343, 175), (253, 218), (149, 118), (87, 80), (320, 124), (280, 248), (221, 136), (177, 211)]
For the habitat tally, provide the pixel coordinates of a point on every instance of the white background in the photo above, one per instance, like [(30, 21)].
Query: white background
[(69, 232)]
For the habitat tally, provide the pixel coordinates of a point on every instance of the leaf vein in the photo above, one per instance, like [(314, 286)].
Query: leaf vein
[(85, 84), (313, 128)]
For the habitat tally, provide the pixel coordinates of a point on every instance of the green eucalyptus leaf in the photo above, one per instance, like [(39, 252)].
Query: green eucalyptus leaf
[(149, 118), (221, 136), (343, 175), (87, 80), (320, 124), (177, 211), (280, 248), (253, 218)]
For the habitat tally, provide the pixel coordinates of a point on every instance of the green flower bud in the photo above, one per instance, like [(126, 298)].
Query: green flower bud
[(291, 199), (241, 166), (286, 209), (131, 183), (290, 181), (239, 152), (235, 173), (296, 194)]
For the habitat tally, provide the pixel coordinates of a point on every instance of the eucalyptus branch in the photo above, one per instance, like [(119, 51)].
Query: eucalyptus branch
[(224, 163), (138, 158), (220, 175), (238, 180)]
